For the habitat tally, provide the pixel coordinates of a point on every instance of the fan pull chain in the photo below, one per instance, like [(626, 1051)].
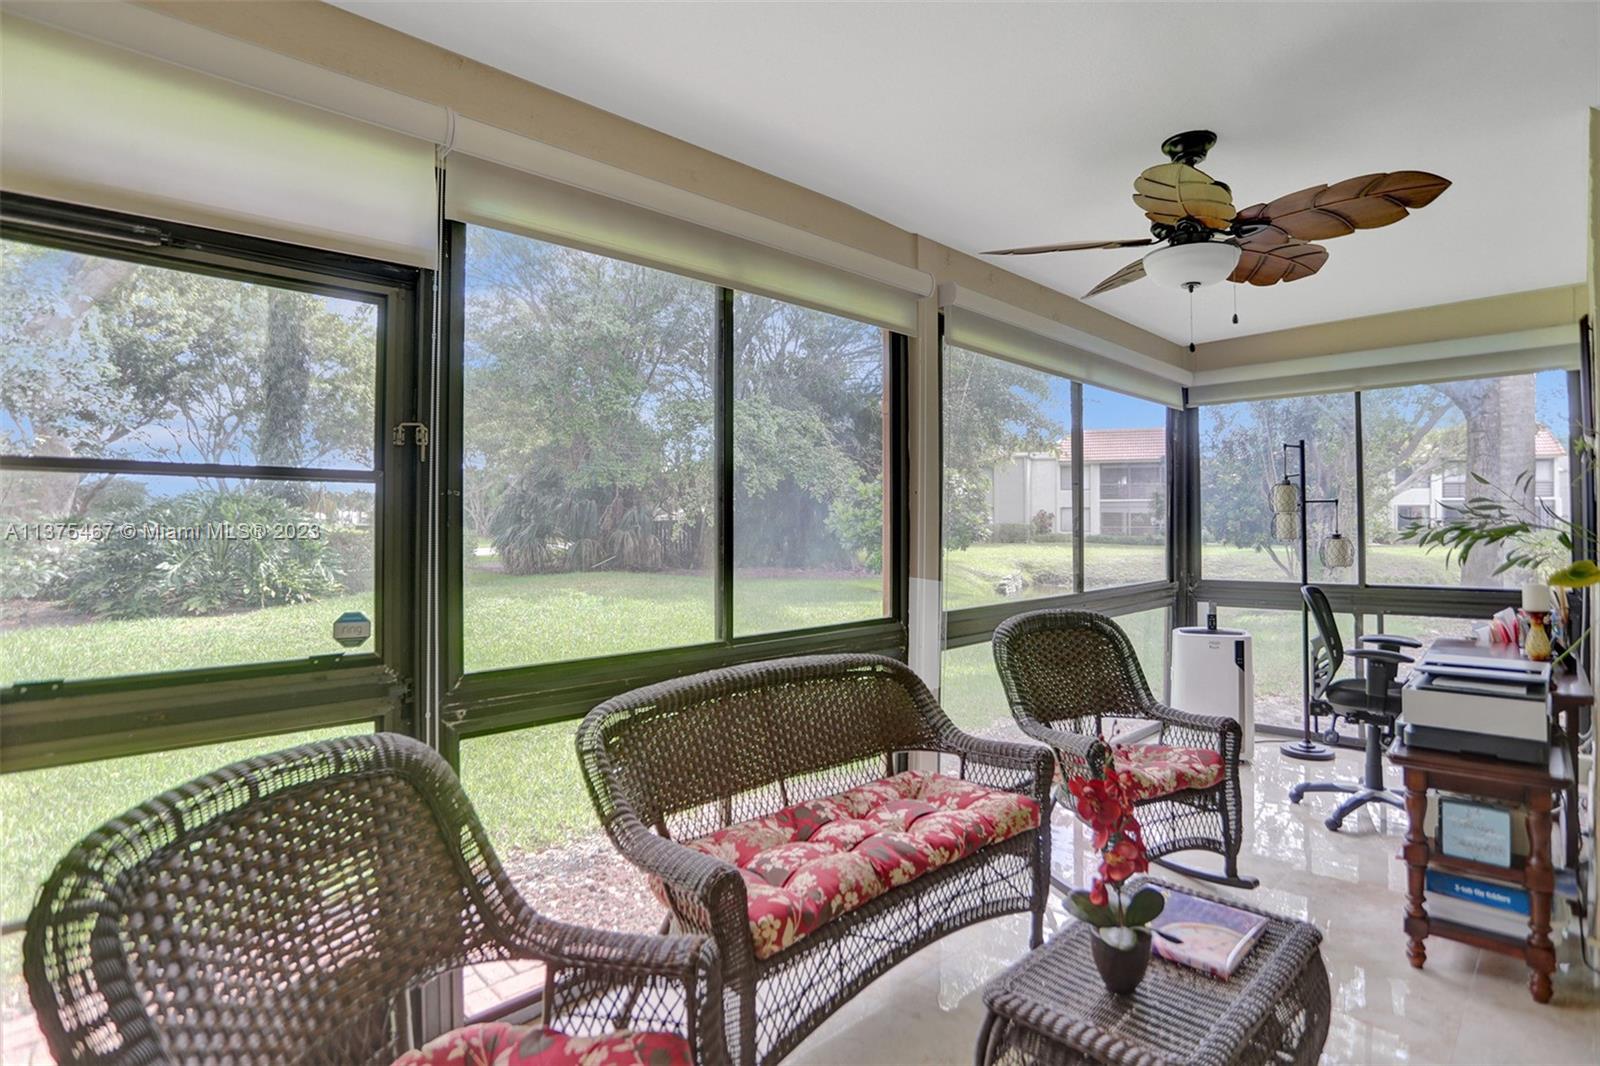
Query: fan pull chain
[(1191, 317), (1236, 305)]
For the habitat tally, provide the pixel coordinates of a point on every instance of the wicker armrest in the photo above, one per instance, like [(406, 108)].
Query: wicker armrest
[(600, 981), (1032, 765), (1222, 735), (706, 893), (1079, 754)]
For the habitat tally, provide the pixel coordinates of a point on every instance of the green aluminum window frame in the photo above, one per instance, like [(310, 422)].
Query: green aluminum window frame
[(492, 701), (50, 722)]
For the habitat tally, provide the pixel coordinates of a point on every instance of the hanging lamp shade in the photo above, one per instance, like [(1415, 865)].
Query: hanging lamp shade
[(1338, 552), (1285, 497), (1286, 526)]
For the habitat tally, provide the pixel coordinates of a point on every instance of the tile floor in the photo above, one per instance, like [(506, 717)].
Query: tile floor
[(1465, 1006)]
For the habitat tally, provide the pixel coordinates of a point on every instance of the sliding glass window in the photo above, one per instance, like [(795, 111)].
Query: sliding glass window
[(615, 416), (1008, 529), (189, 474), (1431, 449), (1125, 489), (1242, 456), (589, 470), (810, 425)]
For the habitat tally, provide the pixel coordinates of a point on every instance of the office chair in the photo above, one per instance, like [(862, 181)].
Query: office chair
[(1372, 703)]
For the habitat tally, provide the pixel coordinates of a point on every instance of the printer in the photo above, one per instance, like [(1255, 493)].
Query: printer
[(1465, 698)]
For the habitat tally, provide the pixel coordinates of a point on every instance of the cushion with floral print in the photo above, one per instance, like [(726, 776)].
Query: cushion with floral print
[(1149, 771), (500, 1044), (811, 862)]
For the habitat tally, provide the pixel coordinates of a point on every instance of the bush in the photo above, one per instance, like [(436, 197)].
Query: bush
[(1043, 522), (1011, 533), (202, 553), (353, 557), (1053, 538)]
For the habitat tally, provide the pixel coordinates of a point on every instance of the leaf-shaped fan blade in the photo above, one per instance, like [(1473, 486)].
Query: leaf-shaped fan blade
[(1075, 246), (1367, 202), (1173, 191), (1132, 272), (1266, 259)]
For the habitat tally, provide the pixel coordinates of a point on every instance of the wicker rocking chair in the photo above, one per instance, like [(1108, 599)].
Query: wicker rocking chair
[(284, 908), (1065, 671)]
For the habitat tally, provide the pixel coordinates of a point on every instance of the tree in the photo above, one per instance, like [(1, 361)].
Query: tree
[(992, 410)]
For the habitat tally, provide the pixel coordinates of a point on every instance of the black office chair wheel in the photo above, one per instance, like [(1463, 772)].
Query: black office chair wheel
[(1330, 736), (1333, 823)]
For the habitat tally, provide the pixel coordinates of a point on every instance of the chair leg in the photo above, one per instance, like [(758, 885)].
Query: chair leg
[(1360, 798), (1298, 791), (747, 1022)]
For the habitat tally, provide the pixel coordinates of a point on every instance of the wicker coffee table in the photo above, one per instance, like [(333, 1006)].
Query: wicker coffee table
[(1052, 1007)]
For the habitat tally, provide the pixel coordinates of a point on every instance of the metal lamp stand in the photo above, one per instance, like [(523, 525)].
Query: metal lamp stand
[(1304, 748)]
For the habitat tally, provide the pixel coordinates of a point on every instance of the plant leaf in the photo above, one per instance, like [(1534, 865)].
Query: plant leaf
[(1145, 907), (1581, 574), (1095, 914)]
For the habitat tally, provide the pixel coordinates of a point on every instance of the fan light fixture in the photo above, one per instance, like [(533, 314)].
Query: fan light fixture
[(1189, 266)]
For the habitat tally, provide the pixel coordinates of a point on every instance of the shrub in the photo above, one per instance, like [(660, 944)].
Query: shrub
[(1043, 522), (183, 560), (1011, 533)]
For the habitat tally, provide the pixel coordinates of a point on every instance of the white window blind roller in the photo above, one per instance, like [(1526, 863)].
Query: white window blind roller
[(980, 324), (93, 124), (1549, 348), (488, 194)]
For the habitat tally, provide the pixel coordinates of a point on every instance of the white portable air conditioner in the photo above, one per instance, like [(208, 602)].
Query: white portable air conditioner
[(1213, 673)]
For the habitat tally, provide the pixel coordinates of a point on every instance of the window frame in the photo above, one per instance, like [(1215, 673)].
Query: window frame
[(491, 701), (1360, 597), (50, 722)]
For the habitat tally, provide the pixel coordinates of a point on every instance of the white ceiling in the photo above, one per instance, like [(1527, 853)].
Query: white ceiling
[(993, 124)]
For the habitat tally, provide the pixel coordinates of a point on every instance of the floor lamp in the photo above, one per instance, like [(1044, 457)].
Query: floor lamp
[(1289, 505)]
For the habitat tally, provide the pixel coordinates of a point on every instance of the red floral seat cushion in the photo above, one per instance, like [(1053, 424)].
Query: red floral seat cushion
[(500, 1044), (1149, 771), (812, 862)]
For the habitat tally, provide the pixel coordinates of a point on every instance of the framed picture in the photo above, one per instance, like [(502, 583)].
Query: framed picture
[(1480, 832)]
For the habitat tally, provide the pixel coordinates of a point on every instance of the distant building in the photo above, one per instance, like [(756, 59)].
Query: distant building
[(1444, 491), (1124, 484)]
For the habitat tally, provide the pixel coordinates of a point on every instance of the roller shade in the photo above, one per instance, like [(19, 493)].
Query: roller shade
[(487, 193), (1523, 352), (983, 324), (88, 123)]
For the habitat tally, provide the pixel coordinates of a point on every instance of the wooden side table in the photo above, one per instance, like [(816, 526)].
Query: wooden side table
[(1473, 775)]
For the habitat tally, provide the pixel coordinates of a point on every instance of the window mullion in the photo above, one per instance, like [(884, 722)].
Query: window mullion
[(722, 432), (1077, 487)]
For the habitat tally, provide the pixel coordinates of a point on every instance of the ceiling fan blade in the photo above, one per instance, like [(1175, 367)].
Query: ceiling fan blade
[(1073, 246), (1132, 272), (1265, 260), (1173, 191), (1367, 202)]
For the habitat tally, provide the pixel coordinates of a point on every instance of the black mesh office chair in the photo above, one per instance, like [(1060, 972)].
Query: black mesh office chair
[(1372, 703)]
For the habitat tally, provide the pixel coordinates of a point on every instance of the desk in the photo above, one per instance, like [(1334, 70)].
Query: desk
[(1476, 775), (1569, 695)]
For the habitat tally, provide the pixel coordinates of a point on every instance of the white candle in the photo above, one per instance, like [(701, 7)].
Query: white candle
[(1536, 598)]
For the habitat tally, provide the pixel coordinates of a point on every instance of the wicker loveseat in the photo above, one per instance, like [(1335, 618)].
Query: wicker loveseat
[(1065, 672), (769, 805), (282, 909)]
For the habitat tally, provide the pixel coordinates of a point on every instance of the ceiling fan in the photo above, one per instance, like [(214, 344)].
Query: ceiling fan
[(1203, 239)]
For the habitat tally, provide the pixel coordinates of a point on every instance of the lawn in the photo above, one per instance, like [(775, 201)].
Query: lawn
[(525, 783)]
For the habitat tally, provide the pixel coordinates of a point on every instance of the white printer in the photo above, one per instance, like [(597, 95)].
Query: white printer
[(1464, 697)]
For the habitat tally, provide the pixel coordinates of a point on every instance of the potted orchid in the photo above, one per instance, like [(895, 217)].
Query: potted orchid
[(1121, 919)]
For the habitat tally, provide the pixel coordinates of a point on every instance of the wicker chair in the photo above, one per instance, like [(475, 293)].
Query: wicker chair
[(680, 760), (1065, 671), (282, 910)]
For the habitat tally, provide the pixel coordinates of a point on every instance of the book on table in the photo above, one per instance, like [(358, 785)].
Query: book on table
[(1478, 902), (1215, 938)]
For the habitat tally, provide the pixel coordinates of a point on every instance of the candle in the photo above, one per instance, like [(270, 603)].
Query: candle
[(1536, 598)]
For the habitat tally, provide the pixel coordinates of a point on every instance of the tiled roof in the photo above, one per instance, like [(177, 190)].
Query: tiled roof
[(1118, 446), (1545, 445)]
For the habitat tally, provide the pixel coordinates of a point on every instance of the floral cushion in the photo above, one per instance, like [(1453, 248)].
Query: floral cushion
[(814, 861), (1149, 771), (500, 1044)]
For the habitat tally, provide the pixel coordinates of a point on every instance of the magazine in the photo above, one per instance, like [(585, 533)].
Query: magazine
[(1215, 938)]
